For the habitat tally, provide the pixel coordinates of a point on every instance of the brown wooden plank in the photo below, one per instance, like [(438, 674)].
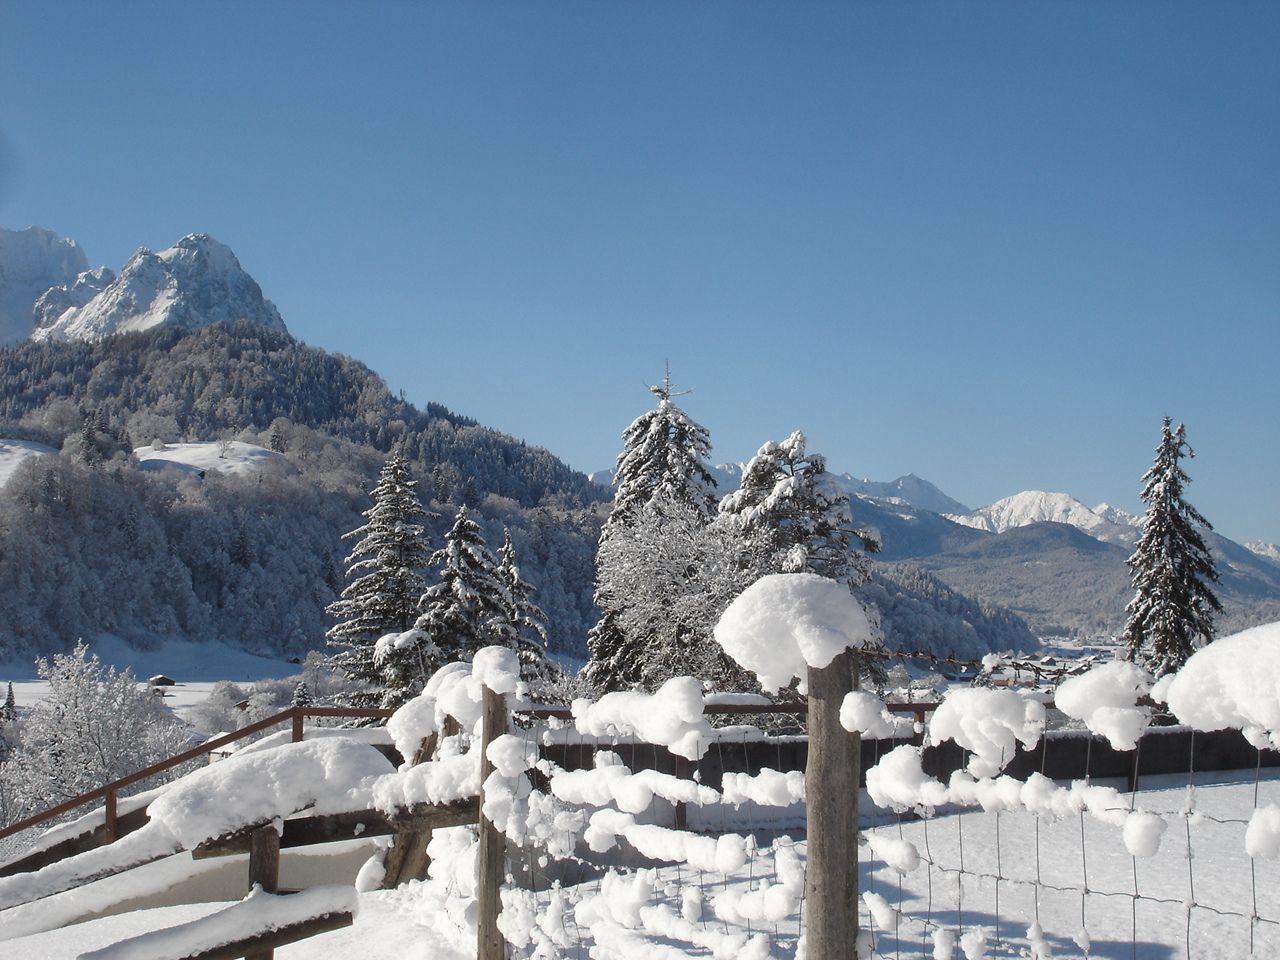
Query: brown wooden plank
[(264, 859), (307, 831), (831, 779), (126, 823), (491, 856), (276, 938)]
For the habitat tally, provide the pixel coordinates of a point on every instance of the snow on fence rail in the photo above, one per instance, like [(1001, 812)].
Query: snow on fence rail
[(592, 860)]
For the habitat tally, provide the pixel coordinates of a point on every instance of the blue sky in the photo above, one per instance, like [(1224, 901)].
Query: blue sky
[(991, 244)]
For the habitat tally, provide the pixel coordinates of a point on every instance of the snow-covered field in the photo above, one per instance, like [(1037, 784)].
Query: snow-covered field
[(232, 457), (195, 666)]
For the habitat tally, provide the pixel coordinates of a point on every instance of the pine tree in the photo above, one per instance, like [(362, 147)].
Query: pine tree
[(794, 517), (524, 624), (1171, 568), (385, 570), (663, 458), (662, 462), (301, 695), (465, 610), (9, 712)]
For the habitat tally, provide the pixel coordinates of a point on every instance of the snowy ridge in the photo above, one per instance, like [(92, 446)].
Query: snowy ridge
[(1038, 506), (196, 282), (1268, 551), (32, 261)]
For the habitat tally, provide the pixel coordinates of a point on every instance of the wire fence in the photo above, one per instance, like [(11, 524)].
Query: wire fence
[(981, 879)]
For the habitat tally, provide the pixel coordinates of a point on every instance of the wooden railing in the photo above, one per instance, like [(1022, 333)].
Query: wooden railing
[(110, 829)]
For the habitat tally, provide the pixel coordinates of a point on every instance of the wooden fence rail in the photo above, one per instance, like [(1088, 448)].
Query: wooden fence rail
[(115, 825)]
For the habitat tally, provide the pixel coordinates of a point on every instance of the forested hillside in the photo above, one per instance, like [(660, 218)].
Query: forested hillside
[(221, 379), (90, 543)]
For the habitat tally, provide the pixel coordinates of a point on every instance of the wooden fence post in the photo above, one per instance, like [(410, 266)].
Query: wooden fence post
[(110, 831), (297, 725), (491, 868), (831, 791), (264, 869)]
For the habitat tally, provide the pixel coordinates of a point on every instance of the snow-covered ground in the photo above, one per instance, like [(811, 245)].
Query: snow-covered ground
[(233, 457), (196, 667), (680, 907)]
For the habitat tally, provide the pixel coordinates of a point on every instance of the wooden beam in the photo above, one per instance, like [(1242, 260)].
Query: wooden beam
[(126, 823), (831, 792), (264, 859), (329, 828), (491, 865), (276, 938)]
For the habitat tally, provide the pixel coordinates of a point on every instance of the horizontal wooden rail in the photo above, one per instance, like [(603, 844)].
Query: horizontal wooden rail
[(351, 825), (784, 708)]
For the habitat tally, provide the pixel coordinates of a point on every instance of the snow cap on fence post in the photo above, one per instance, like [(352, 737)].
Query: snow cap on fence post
[(785, 623), (1233, 683)]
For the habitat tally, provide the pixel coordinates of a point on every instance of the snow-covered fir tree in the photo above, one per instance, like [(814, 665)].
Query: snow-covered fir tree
[(385, 569), (464, 610), (524, 626), (1172, 609), (301, 695), (663, 461), (793, 516)]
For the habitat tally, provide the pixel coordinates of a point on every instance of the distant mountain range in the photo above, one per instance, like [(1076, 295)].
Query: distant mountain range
[(909, 489), (1104, 522), (209, 358), (1048, 557)]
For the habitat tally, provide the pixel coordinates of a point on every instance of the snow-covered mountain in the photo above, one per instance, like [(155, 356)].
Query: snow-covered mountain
[(910, 489), (196, 282), (1106, 523), (32, 261), (1269, 551)]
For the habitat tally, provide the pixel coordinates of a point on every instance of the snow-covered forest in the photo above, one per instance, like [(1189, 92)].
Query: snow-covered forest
[(90, 544)]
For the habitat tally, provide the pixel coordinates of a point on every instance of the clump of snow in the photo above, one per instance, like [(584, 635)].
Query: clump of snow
[(1036, 943), (973, 943), (372, 872), (768, 788), (882, 914), (987, 722), (455, 690), (1233, 683), (1105, 698), (671, 717), (900, 854), (899, 783), (865, 713), (496, 668), (944, 944), (785, 623), (1262, 836), (1142, 833)]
